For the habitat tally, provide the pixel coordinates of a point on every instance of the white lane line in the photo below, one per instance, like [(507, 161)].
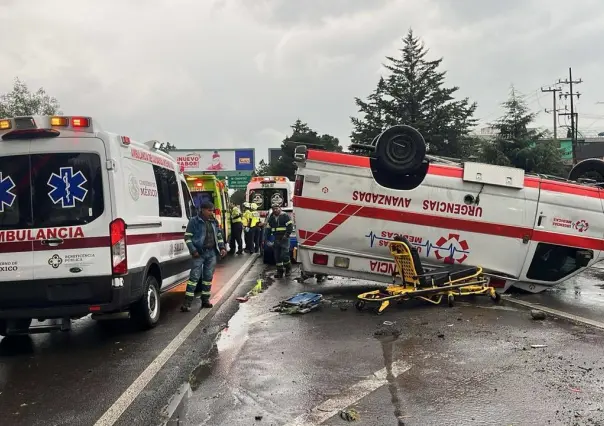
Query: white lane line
[(558, 313), (358, 391), (123, 402)]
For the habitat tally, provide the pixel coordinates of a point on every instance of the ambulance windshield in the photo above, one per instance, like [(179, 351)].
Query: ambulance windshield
[(50, 190), (265, 197)]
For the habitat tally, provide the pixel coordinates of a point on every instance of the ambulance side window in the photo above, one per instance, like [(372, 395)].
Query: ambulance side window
[(189, 206), (167, 192), (552, 262)]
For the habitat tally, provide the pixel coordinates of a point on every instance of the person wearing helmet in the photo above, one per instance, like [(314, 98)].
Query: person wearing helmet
[(255, 228), (280, 225)]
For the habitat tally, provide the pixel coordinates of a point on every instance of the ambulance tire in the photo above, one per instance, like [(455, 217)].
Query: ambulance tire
[(586, 169), (400, 150), (145, 312)]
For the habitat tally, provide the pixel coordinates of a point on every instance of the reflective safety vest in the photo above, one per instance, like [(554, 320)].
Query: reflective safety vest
[(254, 219), (247, 218), (236, 215)]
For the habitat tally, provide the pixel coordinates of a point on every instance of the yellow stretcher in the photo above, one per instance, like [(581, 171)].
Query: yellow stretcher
[(431, 287)]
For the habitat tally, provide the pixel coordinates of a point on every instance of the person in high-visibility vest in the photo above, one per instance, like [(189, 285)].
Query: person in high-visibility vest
[(246, 219), (255, 227), (236, 230), (281, 226)]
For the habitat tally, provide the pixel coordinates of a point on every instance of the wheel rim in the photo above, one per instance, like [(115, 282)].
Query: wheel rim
[(401, 149), (152, 302)]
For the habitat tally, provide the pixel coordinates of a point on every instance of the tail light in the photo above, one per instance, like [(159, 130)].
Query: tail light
[(218, 215), (497, 282), (299, 185), (119, 257), (320, 259)]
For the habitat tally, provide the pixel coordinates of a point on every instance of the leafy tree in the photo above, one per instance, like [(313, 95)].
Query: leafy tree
[(262, 169), (20, 101), (238, 197), (167, 147), (414, 93), (518, 145), (302, 134)]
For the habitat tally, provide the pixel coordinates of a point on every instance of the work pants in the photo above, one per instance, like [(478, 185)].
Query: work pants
[(257, 235), (281, 251), (236, 236), (202, 271)]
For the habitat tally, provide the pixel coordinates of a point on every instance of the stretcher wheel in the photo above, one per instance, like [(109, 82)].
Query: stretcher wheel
[(496, 298), (360, 305), (450, 300)]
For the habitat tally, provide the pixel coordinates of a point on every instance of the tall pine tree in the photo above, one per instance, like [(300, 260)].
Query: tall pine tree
[(518, 145), (414, 93)]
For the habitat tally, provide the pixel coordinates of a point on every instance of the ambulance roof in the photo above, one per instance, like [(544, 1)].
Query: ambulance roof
[(50, 126)]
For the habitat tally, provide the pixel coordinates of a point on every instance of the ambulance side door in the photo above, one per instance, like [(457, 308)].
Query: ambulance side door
[(569, 219)]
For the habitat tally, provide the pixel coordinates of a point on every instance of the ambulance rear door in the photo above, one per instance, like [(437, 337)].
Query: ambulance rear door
[(16, 246), (72, 211)]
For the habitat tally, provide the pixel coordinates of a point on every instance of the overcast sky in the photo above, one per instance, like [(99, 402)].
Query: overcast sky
[(237, 73)]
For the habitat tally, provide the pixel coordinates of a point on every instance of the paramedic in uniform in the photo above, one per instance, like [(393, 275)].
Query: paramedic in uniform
[(204, 241), (281, 226), (236, 230), (255, 229), (247, 219)]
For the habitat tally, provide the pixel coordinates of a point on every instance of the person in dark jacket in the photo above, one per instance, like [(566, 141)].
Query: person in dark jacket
[(281, 226), (205, 242)]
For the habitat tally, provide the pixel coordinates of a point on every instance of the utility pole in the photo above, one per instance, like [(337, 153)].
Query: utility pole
[(553, 90), (571, 94)]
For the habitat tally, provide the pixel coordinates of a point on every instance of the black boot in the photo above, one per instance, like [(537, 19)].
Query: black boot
[(205, 303), (288, 270), (186, 305)]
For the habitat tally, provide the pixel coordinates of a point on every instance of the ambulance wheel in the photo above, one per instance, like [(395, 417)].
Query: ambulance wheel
[(592, 168), (451, 300), (20, 325), (400, 149), (360, 305), (145, 312)]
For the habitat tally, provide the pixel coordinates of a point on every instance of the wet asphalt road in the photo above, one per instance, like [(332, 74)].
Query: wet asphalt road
[(72, 378), (471, 364), (429, 365)]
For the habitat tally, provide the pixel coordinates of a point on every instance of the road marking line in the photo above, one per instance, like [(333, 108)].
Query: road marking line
[(557, 313), (358, 391), (123, 402)]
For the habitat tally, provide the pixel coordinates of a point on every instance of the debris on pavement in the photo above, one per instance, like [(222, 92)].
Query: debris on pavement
[(242, 299), (388, 323), (253, 292), (258, 418), (538, 346), (537, 315), (301, 303), (350, 415)]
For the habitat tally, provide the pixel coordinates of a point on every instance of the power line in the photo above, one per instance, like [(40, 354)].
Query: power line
[(572, 114)]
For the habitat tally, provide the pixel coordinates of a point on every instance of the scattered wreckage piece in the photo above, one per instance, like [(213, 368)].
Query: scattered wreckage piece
[(301, 303)]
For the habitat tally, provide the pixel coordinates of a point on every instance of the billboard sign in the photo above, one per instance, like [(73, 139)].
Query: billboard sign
[(215, 160)]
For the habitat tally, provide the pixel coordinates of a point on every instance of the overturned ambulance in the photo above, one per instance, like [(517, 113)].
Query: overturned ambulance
[(526, 231)]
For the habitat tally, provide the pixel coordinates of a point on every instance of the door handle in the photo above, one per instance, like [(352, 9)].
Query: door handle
[(52, 242), (184, 227), (541, 217)]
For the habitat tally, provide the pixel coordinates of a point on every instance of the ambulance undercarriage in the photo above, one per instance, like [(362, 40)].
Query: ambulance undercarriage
[(530, 232)]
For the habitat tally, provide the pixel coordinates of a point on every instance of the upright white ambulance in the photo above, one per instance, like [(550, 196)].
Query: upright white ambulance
[(90, 223)]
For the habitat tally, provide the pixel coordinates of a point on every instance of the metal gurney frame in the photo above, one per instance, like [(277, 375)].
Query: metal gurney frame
[(431, 287)]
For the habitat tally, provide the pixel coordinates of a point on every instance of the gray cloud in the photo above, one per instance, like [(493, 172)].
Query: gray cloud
[(233, 73)]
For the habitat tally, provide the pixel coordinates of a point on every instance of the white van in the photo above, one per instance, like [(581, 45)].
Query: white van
[(90, 223)]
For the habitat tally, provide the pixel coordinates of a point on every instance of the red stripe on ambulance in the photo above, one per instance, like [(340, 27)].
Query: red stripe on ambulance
[(345, 212), (441, 222), (457, 172)]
